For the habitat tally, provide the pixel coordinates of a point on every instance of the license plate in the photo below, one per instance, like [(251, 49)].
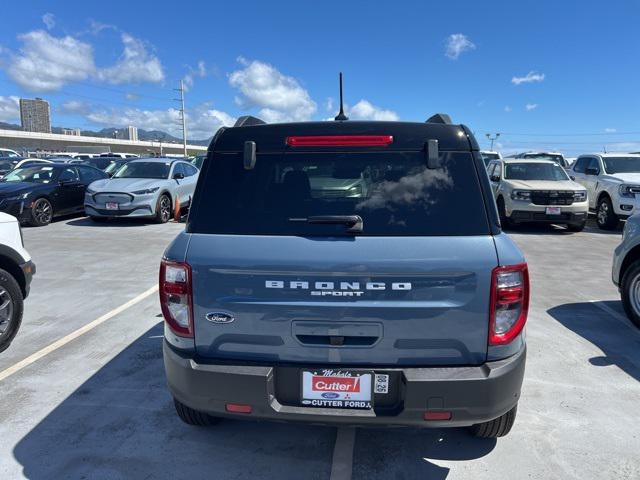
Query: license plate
[(553, 210), (112, 206), (337, 389)]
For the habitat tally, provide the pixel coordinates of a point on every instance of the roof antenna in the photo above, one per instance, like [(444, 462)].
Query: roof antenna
[(341, 116)]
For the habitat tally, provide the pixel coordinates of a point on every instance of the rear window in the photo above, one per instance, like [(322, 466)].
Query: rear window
[(393, 192)]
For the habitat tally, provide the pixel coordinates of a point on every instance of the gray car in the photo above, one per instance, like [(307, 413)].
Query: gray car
[(626, 269), (149, 188), (347, 273)]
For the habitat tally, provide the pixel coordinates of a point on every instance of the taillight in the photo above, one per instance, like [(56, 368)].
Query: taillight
[(340, 141), (509, 303), (176, 297)]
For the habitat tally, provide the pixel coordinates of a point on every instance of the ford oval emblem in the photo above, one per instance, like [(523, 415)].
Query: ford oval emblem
[(218, 317), (330, 395)]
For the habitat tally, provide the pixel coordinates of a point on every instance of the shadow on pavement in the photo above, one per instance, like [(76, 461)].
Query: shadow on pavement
[(559, 229), (413, 453), (120, 424), (111, 222), (621, 347)]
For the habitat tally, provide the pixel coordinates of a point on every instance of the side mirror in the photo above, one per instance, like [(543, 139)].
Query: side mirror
[(592, 171), (495, 178), (572, 177), (178, 176)]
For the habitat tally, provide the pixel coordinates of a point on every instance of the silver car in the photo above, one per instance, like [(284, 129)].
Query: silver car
[(626, 268), (148, 187)]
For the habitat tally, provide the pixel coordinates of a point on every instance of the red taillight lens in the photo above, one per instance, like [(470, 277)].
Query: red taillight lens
[(509, 303), (340, 141), (176, 297), (237, 408)]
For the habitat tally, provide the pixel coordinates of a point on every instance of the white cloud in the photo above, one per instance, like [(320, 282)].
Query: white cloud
[(610, 130), (530, 77), (328, 105), (96, 27), (202, 121), (131, 96), (9, 109), (46, 63), (199, 71), (457, 44), (49, 20), (136, 64), (507, 108), (74, 107), (280, 98), (531, 106), (365, 110)]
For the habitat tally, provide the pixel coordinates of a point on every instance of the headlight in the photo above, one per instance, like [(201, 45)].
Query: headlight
[(22, 196), (628, 191), (146, 192), (522, 195), (580, 196)]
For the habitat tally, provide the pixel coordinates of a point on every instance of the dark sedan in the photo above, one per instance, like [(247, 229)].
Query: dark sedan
[(37, 194)]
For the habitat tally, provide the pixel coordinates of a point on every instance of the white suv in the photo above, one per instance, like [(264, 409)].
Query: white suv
[(537, 191), (16, 272), (612, 181)]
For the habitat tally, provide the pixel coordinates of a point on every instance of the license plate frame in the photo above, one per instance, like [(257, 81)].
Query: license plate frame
[(553, 211), (112, 206), (341, 389)]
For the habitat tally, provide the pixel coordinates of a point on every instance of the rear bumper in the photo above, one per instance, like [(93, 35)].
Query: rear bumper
[(472, 394), (518, 216)]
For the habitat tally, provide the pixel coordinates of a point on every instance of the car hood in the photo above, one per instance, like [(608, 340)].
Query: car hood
[(545, 185), (125, 184), (8, 188), (633, 177)]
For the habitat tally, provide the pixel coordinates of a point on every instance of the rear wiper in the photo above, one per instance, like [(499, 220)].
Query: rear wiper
[(354, 222)]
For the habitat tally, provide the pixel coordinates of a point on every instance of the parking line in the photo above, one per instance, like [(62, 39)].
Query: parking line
[(606, 308), (73, 335), (342, 462)]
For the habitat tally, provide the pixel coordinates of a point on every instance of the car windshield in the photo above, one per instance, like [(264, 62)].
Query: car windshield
[(535, 171), (394, 193), (39, 174), (621, 164), (487, 157), (113, 166), (144, 170)]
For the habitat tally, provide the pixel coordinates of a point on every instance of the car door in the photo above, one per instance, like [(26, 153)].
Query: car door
[(70, 191), (191, 178), (591, 179), (179, 177), (495, 177)]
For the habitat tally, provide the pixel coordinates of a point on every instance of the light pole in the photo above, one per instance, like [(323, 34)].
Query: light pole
[(492, 138)]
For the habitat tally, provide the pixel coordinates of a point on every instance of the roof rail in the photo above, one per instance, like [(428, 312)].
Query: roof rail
[(248, 121), (440, 118)]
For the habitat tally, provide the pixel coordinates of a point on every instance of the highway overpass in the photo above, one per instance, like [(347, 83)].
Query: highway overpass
[(53, 142)]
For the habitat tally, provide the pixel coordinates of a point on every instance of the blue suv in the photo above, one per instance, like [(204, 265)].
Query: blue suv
[(345, 273)]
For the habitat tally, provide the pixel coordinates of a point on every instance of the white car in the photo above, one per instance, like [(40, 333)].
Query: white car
[(553, 156), (488, 155), (7, 152), (537, 191), (16, 272), (612, 181)]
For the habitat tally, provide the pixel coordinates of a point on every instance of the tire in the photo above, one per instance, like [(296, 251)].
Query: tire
[(11, 313), (194, 417), (41, 212), (576, 227), (498, 427), (502, 213), (163, 209), (605, 216), (630, 292)]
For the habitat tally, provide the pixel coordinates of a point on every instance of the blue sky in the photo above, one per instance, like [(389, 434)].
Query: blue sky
[(535, 71)]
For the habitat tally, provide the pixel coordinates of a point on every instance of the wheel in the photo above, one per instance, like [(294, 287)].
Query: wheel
[(502, 212), (605, 216), (11, 307), (630, 290), (98, 219), (193, 417), (41, 213), (498, 427), (576, 227), (163, 209)]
